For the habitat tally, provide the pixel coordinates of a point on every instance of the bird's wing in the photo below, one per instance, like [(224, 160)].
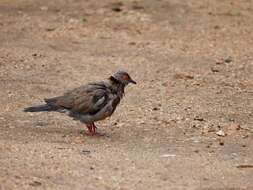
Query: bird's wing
[(85, 99)]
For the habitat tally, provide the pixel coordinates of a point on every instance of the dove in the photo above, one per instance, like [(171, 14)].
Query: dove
[(91, 102)]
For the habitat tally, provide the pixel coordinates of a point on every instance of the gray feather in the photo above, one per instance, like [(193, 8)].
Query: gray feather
[(40, 108), (88, 103)]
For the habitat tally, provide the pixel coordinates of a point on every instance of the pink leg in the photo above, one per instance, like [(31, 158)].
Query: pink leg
[(90, 128), (93, 128)]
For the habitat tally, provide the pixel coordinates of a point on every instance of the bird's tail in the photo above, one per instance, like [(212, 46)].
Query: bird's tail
[(40, 108)]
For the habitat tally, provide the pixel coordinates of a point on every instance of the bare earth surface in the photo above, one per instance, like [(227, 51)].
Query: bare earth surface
[(188, 124)]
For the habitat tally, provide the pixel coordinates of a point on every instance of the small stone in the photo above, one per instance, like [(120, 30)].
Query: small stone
[(167, 155), (85, 152), (228, 60), (214, 70), (117, 9), (155, 108), (219, 62), (221, 142), (198, 118), (221, 133), (35, 183), (50, 29)]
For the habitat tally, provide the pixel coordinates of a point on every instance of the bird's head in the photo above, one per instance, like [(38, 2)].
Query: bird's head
[(123, 77)]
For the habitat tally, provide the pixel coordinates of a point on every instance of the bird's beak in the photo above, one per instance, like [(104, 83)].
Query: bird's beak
[(132, 81)]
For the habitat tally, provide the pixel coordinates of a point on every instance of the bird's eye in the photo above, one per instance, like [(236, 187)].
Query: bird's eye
[(125, 77)]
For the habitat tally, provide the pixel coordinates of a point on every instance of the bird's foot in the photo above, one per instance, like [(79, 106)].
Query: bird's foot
[(92, 129)]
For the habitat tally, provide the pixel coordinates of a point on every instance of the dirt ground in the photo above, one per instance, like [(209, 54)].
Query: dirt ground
[(188, 124)]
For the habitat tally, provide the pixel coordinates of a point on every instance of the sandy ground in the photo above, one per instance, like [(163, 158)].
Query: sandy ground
[(188, 124)]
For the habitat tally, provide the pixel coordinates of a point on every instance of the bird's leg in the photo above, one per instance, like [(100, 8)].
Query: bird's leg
[(93, 128), (89, 126), (94, 131)]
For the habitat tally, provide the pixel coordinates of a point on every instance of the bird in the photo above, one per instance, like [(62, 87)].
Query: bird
[(91, 102)]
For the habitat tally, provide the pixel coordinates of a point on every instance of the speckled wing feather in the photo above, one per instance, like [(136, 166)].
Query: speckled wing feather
[(85, 99)]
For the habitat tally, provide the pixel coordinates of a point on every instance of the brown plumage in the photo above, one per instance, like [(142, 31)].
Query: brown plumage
[(91, 102)]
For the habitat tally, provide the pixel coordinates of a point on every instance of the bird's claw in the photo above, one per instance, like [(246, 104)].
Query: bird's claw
[(92, 129)]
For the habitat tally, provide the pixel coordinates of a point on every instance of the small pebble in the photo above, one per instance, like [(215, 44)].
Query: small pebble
[(214, 70), (35, 183), (221, 133), (221, 143), (85, 152), (228, 60), (92, 168), (197, 118)]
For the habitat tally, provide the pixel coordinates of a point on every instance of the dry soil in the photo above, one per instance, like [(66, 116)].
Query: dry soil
[(188, 124)]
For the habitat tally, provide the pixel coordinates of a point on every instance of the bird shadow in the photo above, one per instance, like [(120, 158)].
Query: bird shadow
[(55, 134)]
